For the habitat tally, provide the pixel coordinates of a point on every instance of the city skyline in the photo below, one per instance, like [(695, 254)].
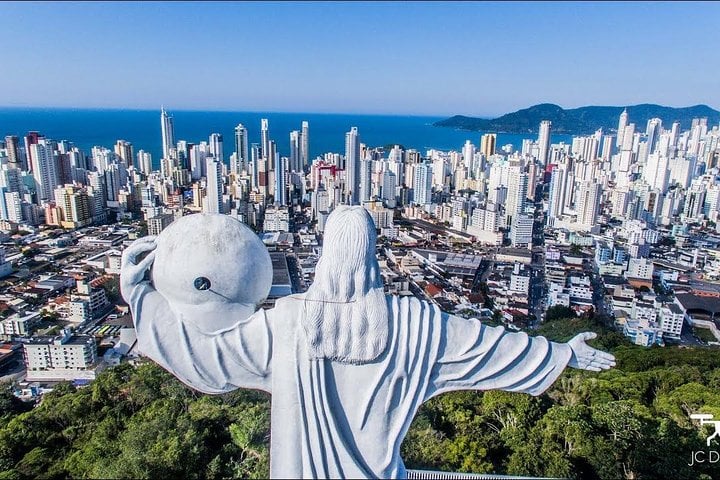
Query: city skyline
[(481, 59)]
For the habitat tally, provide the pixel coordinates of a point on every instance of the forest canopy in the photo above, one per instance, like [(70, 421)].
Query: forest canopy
[(140, 422)]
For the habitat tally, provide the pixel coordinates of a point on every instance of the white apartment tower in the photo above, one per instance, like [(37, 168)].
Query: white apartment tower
[(588, 204), (305, 146), (544, 141), (621, 128), (216, 146), (422, 184), (352, 166), (144, 162), (213, 192), (556, 196), (168, 133), (295, 151), (44, 169)]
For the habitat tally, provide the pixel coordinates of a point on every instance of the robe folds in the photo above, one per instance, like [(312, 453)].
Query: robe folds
[(332, 419)]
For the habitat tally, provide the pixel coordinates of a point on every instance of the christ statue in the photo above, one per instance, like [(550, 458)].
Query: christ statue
[(347, 365)]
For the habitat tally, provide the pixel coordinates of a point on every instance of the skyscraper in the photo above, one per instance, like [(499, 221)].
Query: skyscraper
[(30, 139), (588, 204), (305, 146), (168, 132), (213, 192), (216, 146), (295, 151), (281, 167), (621, 128), (13, 151), (183, 154), (254, 166), (352, 167), (544, 141), (241, 147), (144, 162), (469, 156), (124, 152), (365, 180), (197, 160), (422, 184), (44, 170), (556, 196), (487, 144), (654, 126), (265, 138)]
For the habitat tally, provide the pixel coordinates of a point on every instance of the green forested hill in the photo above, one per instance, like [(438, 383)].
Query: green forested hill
[(629, 422), (583, 120)]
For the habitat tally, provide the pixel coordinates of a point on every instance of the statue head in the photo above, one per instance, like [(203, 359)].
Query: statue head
[(346, 314), (203, 261)]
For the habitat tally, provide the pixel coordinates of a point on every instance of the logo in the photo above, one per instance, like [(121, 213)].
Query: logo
[(706, 418), (701, 456)]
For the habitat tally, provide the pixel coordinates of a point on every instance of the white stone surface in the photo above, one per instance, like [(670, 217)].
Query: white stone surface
[(220, 249), (347, 366)]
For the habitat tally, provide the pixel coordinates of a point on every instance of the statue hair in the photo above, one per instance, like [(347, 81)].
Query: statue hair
[(346, 314)]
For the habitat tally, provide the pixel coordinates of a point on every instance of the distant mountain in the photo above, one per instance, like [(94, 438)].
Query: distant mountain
[(583, 120)]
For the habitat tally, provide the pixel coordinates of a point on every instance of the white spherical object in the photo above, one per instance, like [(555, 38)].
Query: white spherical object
[(203, 258)]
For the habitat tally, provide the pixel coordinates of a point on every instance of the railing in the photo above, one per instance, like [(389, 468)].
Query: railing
[(433, 475)]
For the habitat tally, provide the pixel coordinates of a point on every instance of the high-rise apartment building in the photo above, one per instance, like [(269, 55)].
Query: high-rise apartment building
[(13, 152), (588, 204), (622, 123), (124, 152), (281, 172), (295, 151), (168, 133), (544, 141), (305, 146), (213, 192), (352, 166), (241, 148), (144, 162), (488, 144), (44, 166), (265, 137), (215, 145), (422, 184), (31, 138)]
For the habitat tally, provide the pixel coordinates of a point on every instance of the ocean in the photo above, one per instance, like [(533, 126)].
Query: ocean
[(95, 127)]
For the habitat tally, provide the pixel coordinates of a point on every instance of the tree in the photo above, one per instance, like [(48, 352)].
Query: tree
[(559, 311)]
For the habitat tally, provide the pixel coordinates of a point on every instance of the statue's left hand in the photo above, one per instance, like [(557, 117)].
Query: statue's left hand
[(585, 357), (132, 271)]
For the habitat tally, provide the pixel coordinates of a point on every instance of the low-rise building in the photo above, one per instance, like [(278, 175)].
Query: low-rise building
[(65, 357)]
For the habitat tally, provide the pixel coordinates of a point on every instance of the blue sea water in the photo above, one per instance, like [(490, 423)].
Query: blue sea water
[(90, 127)]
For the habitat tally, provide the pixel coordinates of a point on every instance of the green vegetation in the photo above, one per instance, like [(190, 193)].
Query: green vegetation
[(628, 422), (582, 120), (112, 288), (704, 334), (559, 312), (136, 423)]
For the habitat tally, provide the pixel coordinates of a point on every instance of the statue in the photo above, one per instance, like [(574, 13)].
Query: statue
[(347, 366)]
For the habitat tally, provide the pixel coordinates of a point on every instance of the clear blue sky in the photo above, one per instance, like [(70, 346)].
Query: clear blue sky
[(407, 58)]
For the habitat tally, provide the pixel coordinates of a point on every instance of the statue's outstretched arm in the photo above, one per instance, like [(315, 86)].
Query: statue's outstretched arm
[(474, 356), (235, 357)]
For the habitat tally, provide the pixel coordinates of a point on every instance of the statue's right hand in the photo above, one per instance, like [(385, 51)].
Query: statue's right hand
[(132, 271)]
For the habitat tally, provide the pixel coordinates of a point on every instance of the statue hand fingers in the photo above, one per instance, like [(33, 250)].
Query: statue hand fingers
[(585, 336), (136, 249), (605, 356), (146, 262)]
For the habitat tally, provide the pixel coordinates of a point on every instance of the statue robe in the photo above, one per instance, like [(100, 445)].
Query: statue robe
[(336, 420)]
